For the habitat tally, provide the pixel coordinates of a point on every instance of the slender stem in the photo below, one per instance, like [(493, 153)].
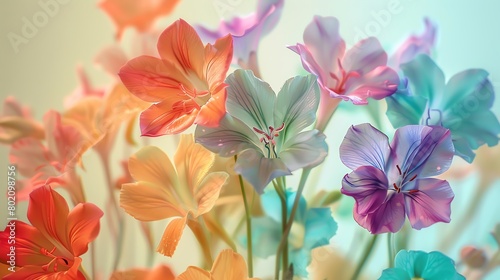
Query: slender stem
[(92, 260), (249, 225), (298, 195), (119, 242), (364, 257), (282, 195), (391, 250)]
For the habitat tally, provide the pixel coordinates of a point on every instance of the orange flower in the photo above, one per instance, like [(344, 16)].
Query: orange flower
[(161, 272), (16, 122), (163, 191), (186, 84), (139, 14), (228, 266), (50, 248)]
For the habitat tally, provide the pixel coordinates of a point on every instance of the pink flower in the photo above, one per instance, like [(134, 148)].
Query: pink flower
[(355, 75)]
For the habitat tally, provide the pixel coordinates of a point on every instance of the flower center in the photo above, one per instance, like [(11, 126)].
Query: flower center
[(268, 139), (199, 98), (55, 262), (398, 187), (342, 78)]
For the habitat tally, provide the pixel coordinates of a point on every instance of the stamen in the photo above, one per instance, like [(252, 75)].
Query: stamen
[(399, 169), (413, 191), (413, 178)]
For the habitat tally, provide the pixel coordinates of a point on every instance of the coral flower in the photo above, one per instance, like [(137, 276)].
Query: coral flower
[(139, 14), (161, 272), (229, 265), (186, 84), (163, 191), (390, 181), (355, 75), (50, 248)]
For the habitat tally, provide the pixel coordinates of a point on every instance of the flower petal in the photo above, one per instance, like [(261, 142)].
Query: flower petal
[(194, 273), (320, 227), (296, 105), (48, 212), (229, 265), (171, 236), (250, 99), (389, 217), (151, 164), (259, 170), (422, 150), (395, 273), (149, 202), (231, 137), (83, 226), (217, 60), (214, 110), (403, 109), (209, 190), (368, 186), (377, 84), (364, 145), (170, 116), (470, 84), (307, 149), (365, 56), (426, 78), (439, 266), (430, 204)]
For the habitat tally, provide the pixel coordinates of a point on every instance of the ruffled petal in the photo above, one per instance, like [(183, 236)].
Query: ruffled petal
[(389, 217), (439, 266), (296, 105), (430, 204), (307, 149), (422, 150), (320, 227), (171, 236), (368, 186), (231, 137), (259, 170), (395, 273), (83, 226), (250, 99), (364, 145)]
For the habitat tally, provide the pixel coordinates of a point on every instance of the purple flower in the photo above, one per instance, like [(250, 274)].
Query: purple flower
[(391, 181)]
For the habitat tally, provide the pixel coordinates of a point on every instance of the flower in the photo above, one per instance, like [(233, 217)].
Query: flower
[(415, 45), (186, 84), (50, 248), (16, 122), (462, 105), (229, 265), (139, 14), (390, 181), (85, 89), (354, 75), (247, 32), (264, 131), (420, 265), (160, 272), (312, 228), (163, 191)]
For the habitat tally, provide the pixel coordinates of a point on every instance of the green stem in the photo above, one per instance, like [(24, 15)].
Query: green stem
[(119, 242), (92, 260), (282, 195), (364, 257), (249, 226), (284, 238), (391, 250)]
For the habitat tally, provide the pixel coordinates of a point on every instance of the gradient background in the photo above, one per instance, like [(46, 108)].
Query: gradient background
[(43, 72)]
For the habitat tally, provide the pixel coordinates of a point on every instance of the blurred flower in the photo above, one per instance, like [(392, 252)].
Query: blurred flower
[(50, 248), (229, 265), (163, 191), (390, 181), (354, 75), (247, 32), (85, 89), (473, 257), (462, 105), (265, 130), (16, 122), (186, 84), (312, 228), (53, 162), (420, 265), (139, 14), (415, 45), (160, 272)]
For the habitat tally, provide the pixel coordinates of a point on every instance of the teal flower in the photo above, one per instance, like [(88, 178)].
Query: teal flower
[(265, 130), (413, 265), (312, 228), (463, 105)]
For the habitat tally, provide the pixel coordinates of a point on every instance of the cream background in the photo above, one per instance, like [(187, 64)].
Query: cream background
[(43, 72)]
